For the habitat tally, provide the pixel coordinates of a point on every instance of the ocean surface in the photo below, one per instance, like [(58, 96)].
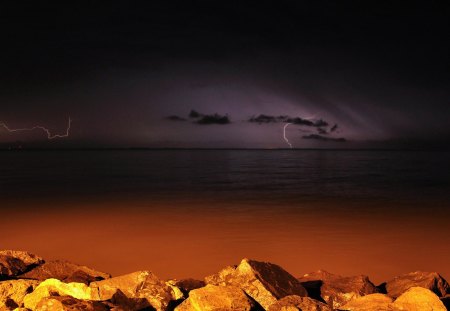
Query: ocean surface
[(234, 174), (189, 213)]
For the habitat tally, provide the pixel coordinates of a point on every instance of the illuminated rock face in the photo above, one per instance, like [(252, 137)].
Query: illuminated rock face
[(337, 290), (297, 303), (64, 271), (12, 292), (13, 263), (142, 287), (54, 287), (372, 302), (264, 282), (216, 298), (67, 303), (419, 299), (414, 299), (430, 280)]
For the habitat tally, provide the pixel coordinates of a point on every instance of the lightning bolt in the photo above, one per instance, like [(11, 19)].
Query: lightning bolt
[(284, 134), (39, 127)]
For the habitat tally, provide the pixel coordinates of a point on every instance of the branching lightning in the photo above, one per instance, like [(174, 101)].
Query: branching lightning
[(50, 136), (284, 134)]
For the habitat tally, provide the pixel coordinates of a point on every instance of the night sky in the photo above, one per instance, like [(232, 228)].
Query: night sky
[(227, 74)]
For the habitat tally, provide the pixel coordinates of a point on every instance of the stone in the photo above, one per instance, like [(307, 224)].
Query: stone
[(13, 263), (430, 280), (263, 281), (446, 301), (372, 302), (223, 277), (12, 292), (296, 303), (216, 298), (67, 303), (338, 290), (54, 287), (419, 299), (186, 285), (141, 286), (65, 271)]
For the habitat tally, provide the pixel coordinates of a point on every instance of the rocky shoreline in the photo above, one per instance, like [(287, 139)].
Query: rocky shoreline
[(28, 282)]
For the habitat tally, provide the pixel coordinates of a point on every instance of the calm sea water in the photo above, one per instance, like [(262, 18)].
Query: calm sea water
[(380, 213), (227, 174)]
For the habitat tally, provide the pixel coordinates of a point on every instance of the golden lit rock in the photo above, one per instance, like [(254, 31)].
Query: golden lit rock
[(13, 263), (216, 298), (297, 303), (137, 286), (372, 302), (12, 292), (54, 287), (337, 290), (65, 271), (430, 280), (67, 303), (419, 299)]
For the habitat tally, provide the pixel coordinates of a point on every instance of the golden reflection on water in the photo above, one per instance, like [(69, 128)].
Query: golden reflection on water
[(182, 238)]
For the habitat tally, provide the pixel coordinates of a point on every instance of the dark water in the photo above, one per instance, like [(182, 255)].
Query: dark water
[(380, 213), (227, 174)]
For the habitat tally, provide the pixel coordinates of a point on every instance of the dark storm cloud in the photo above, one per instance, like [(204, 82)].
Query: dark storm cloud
[(322, 131), (213, 119), (175, 118), (194, 114), (323, 138), (262, 118)]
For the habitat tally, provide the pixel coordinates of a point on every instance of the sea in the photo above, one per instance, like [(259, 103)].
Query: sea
[(189, 213)]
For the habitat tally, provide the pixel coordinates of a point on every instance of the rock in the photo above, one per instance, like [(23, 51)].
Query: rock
[(430, 280), (223, 277), (12, 292), (419, 299), (216, 298), (67, 303), (372, 302), (296, 303), (338, 290), (65, 271), (446, 301), (13, 263), (54, 287), (140, 287), (186, 285), (264, 282)]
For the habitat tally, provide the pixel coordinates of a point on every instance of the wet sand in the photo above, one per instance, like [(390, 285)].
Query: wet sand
[(193, 238)]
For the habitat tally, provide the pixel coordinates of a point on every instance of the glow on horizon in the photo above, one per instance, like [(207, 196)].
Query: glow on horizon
[(50, 136)]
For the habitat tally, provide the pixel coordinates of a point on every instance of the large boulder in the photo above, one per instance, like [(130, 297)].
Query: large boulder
[(216, 298), (264, 282), (186, 285), (54, 287), (67, 303), (430, 280), (65, 271), (372, 302), (12, 292), (419, 299), (297, 303), (337, 290), (142, 287), (13, 263)]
